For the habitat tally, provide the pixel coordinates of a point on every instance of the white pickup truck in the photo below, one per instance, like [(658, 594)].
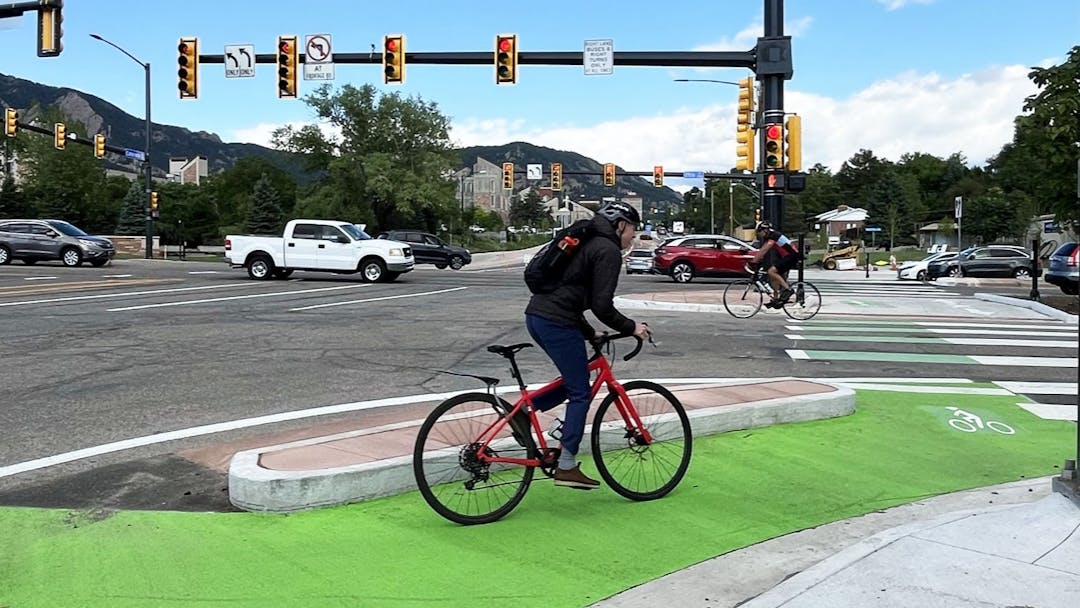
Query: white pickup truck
[(319, 245)]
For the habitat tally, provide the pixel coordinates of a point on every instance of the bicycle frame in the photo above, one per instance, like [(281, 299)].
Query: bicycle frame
[(604, 377)]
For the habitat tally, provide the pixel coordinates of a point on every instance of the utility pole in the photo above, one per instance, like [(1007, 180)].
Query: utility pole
[(773, 67)]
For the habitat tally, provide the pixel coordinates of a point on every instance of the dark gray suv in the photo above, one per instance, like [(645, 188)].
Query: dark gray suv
[(33, 241)]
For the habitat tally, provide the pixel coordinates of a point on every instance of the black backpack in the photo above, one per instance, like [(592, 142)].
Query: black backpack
[(545, 270)]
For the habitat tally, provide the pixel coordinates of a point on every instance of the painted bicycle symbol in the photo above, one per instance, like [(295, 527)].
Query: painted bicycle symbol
[(969, 423)]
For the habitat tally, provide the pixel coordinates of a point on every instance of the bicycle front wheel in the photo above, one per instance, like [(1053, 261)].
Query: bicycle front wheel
[(452, 477), (742, 299), (633, 467), (804, 303)]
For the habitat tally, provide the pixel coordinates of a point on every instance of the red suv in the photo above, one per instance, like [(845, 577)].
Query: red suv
[(704, 255)]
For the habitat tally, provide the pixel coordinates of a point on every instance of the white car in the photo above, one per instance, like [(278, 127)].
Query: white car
[(917, 270)]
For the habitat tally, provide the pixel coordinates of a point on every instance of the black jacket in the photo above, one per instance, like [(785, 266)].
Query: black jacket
[(589, 284)]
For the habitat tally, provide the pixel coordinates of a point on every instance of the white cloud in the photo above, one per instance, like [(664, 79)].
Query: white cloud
[(911, 112), (892, 5), (972, 114)]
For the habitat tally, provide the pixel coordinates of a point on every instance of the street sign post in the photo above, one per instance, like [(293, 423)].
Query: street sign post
[(318, 57)]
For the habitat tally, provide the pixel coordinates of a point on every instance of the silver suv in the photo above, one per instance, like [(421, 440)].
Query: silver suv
[(35, 240)]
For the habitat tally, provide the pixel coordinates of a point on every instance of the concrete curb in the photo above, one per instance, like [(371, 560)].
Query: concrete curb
[(254, 488), (1038, 307)]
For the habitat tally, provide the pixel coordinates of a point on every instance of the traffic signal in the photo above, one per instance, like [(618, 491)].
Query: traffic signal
[(774, 146), (609, 174), (744, 133), (556, 176), (658, 176), (59, 136), (11, 122), (506, 59), (757, 216), (99, 145), (508, 176), (153, 204), (793, 141), (50, 29), (287, 60), (393, 59), (187, 68)]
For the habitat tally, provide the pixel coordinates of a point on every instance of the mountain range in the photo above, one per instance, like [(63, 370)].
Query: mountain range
[(127, 131)]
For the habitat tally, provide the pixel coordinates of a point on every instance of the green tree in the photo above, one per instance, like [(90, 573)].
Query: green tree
[(13, 203), (858, 176), (528, 211), (265, 213), (133, 214), (391, 166), (61, 184), (993, 215), (822, 193), (232, 188)]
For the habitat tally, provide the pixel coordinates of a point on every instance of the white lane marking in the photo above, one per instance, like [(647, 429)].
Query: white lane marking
[(404, 295), (957, 341), (115, 276), (1048, 325), (202, 272), (798, 354), (944, 390), (38, 278), (125, 294), (1051, 411), (228, 298), (897, 380), (1039, 388), (1024, 361), (864, 330)]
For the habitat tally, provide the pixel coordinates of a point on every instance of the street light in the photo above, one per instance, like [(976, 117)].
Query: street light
[(146, 162), (731, 202)]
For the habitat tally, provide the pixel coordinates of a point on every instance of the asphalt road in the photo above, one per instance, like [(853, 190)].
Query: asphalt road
[(98, 355)]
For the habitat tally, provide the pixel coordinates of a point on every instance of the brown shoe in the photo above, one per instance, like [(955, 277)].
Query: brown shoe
[(574, 478)]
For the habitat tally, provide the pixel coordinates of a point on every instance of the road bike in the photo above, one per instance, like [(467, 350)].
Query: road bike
[(743, 298), (476, 454)]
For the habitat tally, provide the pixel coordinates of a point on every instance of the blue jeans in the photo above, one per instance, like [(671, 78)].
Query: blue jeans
[(565, 346)]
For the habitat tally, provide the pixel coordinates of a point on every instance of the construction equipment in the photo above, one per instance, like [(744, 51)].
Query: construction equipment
[(834, 253)]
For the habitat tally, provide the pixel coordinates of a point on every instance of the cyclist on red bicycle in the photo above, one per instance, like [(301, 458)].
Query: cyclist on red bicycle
[(556, 321), (780, 255)]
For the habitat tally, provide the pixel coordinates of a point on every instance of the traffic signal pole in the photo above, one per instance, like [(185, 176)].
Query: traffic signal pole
[(776, 66)]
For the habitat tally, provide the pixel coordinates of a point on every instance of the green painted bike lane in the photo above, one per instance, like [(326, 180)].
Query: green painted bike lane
[(558, 548)]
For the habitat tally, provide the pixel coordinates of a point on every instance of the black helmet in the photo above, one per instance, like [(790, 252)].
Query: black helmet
[(619, 210), (762, 226)]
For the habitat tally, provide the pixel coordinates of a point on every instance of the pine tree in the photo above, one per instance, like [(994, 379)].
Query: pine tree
[(264, 213), (13, 203), (133, 214)]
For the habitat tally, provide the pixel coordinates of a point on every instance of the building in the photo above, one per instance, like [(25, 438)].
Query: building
[(188, 171), (480, 187), (843, 223)]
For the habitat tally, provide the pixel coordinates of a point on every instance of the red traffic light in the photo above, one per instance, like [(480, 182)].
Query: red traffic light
[(284, 46), (504, 44), (182, 47), (391, 44), (773, 132)]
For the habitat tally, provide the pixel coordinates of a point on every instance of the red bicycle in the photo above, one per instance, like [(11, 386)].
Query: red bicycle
[(476, 454)]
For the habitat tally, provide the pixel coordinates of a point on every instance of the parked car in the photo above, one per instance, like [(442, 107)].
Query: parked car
[(33, 241), (988, 261), (430, 249), (1062, 269), (639, 261), (702, 255), (917, 270)]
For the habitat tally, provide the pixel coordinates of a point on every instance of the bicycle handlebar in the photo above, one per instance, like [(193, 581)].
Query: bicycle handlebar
[(599, 342)]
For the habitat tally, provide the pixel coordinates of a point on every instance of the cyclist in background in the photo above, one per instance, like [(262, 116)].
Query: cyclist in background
[(557, 322), (778, 255)]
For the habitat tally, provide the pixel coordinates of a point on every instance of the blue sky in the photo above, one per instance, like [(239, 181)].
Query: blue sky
[(894, 76)]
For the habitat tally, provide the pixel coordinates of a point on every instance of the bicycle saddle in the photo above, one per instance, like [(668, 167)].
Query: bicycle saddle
[(507, 351)]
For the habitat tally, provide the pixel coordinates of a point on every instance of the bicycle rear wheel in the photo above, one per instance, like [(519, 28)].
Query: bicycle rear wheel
[(633, 468), (452, 479), (742, 299), (804, 303)]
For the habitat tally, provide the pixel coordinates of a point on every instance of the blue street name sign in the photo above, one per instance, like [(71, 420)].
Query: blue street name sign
[(693, 174), (873, 229), (136, 154)]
